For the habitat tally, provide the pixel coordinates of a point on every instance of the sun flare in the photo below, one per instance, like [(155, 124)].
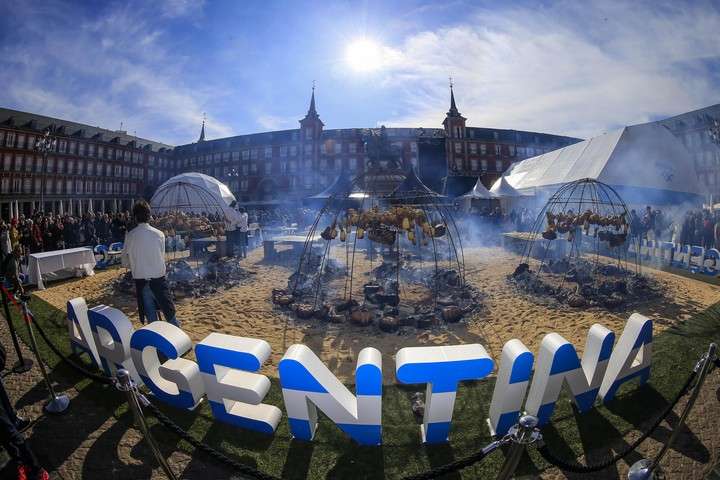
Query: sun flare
[(364, 55)]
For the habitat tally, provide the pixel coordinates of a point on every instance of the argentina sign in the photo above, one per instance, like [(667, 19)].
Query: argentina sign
[(226, 373)]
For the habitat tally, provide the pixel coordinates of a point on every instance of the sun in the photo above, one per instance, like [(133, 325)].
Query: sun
[(363, 55)]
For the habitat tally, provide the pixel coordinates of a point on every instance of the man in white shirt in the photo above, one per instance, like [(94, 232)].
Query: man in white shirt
[(144, 254), (242, 231)]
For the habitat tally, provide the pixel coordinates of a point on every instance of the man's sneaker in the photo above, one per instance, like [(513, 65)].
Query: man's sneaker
[(42, 474), (22, 472)]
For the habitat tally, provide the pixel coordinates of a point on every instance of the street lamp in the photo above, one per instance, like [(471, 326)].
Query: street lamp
[(45, 144)]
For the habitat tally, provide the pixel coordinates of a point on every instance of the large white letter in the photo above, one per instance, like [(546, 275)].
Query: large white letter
[(307, 384), (442, 368), (631, 358), (81, 338), (558, 363), (516, 364), (112, 331), (234, 393), (177, 381)]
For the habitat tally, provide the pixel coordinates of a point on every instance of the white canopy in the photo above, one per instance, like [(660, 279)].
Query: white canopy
[(478, 192), (193, 193), (502, 189), (644, 163)]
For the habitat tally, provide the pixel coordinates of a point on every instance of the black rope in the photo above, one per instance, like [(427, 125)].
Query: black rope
[(576, 467), (451, 467), (215, 454), (78, 368)]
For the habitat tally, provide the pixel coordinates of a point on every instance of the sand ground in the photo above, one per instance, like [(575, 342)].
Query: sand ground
[(246, 310)]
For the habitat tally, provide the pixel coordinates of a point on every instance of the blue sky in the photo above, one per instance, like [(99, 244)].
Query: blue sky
[(567, 67)]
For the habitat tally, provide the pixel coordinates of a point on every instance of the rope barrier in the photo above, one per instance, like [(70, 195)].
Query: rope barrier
[(576, 467), (461, 463), (545, 452), (202, 446), (78, 368)]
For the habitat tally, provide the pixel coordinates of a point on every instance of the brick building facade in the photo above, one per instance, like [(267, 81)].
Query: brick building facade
[(88, 167), (288, 165)]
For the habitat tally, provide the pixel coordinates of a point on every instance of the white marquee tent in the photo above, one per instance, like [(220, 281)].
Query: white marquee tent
[(478, 192), (192, 192), (644, 163)]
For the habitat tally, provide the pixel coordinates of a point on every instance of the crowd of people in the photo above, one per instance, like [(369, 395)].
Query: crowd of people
[(694, 227), (45, 232)]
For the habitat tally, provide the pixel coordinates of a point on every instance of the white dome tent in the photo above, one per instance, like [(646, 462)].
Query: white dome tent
[(192, 192)]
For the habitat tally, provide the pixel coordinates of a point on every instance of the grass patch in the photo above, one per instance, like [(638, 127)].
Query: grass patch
[(333, 455)]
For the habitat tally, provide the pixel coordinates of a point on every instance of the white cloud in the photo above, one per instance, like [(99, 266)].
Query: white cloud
[(575, 68), (106, 71)]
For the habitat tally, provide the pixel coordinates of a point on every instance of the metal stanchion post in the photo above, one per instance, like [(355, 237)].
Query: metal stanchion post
[(57, 403), (645, 469), (125, 383), (521, 435), (23, 364)]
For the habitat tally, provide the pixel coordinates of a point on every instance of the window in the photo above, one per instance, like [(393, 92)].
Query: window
[(118, 170), (308, 133), (72, 147), (68, 186), (245, 169), (268, 152), (352, 162), (497, 149), (91, 150), (268, 168), (474, 164), (458, 132), (293, 166), (458, 147), (293, 151), (483, 165), (353, 147), (308, 149), (254, 153), (21, 141), (7, 162), (28, 162), (50, 166), (283, 167), (338, 147), (5, 185), (283, 151), (244, 185), (27, 185), (216, 158), (38, 187), (236, 156), (473, 148), (246, 154), (499, 165), (253, 167), (483, 149), (512, 150), (10, 139)]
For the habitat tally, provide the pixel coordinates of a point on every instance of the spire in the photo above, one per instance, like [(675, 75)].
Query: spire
[(202, 131), (311, 110), (453, 112)]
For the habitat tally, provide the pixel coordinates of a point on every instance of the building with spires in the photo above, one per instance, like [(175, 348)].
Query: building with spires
[(288, 165), (95, 168)]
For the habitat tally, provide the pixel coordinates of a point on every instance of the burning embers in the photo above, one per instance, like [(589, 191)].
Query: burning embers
[(184, 280), (429, 298), (580, 284)]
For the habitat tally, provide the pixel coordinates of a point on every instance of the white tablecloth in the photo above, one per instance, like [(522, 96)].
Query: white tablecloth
[(48, 262)]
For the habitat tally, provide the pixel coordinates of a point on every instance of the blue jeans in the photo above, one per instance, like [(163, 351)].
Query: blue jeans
[(150, 305)]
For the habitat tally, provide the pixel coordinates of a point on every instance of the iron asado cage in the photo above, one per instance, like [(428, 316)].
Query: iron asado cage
[(385, 249), (581, 250)]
